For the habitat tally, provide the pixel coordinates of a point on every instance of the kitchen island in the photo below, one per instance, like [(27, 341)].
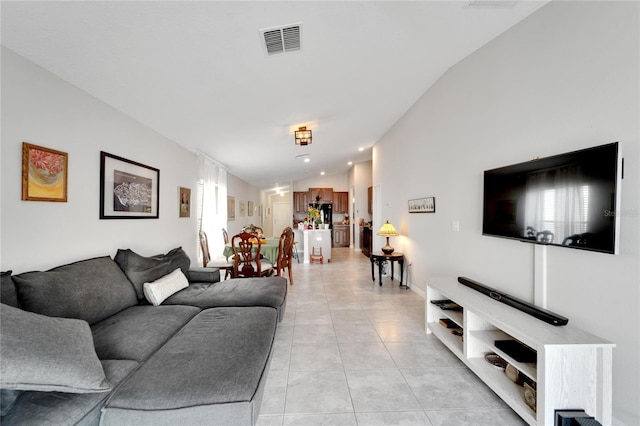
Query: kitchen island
[(317, 238)]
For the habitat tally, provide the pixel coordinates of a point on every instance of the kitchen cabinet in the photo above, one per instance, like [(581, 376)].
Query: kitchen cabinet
[(300, 202), (341, 202), (341, 236), (323, 195), (365, 240)]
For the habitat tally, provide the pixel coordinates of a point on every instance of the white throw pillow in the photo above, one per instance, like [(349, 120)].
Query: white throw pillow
[(156, 292)]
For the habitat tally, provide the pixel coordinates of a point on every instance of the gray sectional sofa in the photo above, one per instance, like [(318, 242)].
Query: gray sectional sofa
[(81, 346)]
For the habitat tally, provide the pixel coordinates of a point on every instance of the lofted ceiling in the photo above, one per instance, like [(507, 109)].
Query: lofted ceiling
[(198, 73)]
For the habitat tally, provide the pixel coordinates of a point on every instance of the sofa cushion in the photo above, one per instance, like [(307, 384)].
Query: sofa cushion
[(48, 354), (8, 398), (91, 290), (140, 269), (137, 332), (212, 370), (199, 274), (266, 291), (155, 292), (55, 408), (8, 294)]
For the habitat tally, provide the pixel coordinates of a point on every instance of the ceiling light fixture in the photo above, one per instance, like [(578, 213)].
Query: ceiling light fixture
[(303, 136)]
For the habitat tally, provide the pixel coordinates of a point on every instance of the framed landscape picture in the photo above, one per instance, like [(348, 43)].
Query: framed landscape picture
[(44, 173), (249, 208), (128, 190), (422, 205)]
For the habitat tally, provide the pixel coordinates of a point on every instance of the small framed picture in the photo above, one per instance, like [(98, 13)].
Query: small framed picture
[(128, 190), (44, 174), (184, 202), (422, 205), (231, 208), (249, 208), (242, 206)]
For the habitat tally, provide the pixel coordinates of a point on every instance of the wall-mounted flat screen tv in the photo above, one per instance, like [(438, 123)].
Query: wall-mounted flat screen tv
[(566, 200)]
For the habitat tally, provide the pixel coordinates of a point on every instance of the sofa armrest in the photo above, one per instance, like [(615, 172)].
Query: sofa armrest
[(203, 275)]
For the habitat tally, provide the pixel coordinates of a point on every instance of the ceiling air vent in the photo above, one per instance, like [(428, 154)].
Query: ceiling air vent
[(281, 39)]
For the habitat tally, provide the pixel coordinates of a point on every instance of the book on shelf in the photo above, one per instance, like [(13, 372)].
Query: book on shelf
[(447, 323)]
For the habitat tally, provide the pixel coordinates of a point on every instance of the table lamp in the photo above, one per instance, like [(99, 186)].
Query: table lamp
[(388, 230)]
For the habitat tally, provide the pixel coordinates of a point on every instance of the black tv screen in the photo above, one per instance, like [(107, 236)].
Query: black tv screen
[(566, 200)]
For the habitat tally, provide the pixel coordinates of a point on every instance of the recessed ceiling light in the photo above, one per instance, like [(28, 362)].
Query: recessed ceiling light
[(350, 163), (361, 148), (307, 159), (321, 173)]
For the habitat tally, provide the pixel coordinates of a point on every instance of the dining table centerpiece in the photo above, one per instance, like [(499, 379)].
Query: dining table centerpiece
[(315, 217)]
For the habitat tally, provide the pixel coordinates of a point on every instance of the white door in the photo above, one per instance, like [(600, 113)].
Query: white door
[(281, 218)]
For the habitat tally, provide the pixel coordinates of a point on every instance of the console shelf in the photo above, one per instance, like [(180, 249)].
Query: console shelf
[(453, 343), (573, 368)]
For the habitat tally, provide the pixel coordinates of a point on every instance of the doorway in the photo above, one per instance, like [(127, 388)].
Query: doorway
[(281, 218)]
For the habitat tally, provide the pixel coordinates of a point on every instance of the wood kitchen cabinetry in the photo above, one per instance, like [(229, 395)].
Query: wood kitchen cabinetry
[(365, 240), (341, 202), (300, 202), (341, 236), (325, 195)]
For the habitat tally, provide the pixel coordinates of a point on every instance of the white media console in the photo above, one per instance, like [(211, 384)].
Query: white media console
[(573, 367)]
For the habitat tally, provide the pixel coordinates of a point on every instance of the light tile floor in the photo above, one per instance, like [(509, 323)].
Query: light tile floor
[(351, 352)]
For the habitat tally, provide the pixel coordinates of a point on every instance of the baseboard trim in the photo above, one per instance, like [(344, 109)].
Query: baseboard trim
[(418, 291)]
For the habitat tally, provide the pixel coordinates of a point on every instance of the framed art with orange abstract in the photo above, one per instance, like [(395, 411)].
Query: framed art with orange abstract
[(44, 174)]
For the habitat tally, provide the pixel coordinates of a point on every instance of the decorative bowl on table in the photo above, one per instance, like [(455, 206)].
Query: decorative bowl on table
[(496, 360)]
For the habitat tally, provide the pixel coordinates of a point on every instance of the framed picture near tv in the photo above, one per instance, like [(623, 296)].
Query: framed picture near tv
[(567, 200), (422, 205), (128, 189)]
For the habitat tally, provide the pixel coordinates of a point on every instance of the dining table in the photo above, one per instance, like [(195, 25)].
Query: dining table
[(268, 249)]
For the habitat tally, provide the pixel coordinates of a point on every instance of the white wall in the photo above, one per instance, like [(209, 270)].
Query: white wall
[(242, 192), (40, 108), (360, 179), (338, 182), (566, 78)]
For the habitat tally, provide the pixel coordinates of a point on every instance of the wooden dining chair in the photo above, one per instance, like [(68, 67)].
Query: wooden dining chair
[(225, 236), (222, 263), (285, 253), (247, 262)]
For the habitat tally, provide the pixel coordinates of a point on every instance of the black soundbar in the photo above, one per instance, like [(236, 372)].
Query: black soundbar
[(526, 307)]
